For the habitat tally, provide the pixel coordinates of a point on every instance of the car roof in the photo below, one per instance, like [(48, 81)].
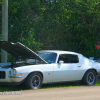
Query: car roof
[(60, 51)]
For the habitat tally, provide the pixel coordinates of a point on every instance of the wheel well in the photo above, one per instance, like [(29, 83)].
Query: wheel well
[(35, 72), (90, 69)]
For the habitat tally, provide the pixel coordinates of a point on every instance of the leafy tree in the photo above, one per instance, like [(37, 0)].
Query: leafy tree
[(69, 24)]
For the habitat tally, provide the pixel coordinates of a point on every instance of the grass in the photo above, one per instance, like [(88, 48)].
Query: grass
[(7, 88)]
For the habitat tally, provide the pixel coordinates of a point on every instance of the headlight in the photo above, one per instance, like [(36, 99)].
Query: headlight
[(14, 72)]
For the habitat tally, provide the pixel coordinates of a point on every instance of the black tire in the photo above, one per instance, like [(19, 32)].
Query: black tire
[(89, 78), (33, 81)]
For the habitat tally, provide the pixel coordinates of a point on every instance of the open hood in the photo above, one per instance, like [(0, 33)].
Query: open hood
[(19, 50)]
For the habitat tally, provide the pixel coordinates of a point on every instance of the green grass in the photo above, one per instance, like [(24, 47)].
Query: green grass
[(4, 88)]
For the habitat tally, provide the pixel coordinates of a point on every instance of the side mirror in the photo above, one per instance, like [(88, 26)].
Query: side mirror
[(61, 62)]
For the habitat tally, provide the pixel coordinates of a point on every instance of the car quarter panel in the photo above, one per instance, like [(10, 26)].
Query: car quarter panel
[(87, 64), (45, 69)]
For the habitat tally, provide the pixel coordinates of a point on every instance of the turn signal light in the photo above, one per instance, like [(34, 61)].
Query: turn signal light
[(20, 73)]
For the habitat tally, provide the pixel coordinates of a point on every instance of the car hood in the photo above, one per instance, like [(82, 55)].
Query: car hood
[(18, 50)]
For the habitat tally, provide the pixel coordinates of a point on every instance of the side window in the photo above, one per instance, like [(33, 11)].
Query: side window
[(68, 58)]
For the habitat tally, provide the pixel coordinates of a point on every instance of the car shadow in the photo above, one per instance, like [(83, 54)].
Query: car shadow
[(4, 88)]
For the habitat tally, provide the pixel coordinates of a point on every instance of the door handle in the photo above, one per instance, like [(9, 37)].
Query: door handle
[(79, 66)]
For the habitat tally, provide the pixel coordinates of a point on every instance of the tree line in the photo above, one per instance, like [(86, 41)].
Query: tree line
[(71, 25)]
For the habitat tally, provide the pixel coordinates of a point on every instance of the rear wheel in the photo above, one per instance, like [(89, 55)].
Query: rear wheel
[(89, 78), (34, 81)]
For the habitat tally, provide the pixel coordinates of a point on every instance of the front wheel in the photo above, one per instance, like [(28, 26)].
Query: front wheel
[(89, 78), (34, 81)]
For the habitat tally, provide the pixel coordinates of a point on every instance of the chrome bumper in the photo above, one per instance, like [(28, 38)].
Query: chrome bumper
[(15, 76)]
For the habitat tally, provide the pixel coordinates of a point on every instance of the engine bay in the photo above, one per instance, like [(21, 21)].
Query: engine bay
[(14, 64)]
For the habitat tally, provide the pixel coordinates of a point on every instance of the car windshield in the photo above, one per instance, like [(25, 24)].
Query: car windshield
[(48, 56)]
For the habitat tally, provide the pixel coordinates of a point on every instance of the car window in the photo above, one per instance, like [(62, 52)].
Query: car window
[(68, 58), (48, 56)]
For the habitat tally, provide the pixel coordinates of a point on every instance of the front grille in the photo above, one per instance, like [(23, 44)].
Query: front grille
[(2, 75)]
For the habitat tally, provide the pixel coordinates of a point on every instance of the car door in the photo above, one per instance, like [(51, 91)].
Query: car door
[(70, 70)]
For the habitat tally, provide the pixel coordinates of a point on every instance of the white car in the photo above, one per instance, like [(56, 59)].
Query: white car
[(45, 66)]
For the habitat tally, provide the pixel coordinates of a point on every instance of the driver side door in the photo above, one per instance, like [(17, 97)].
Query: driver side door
[(70, 70)]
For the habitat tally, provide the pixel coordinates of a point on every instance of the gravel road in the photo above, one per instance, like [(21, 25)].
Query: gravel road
[(68, 93)]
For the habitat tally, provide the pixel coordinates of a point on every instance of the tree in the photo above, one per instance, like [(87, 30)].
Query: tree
[(70, 24)]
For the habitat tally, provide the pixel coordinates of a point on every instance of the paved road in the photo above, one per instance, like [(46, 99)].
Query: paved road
[(69, 93)]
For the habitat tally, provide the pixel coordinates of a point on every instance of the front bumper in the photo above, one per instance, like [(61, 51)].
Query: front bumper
[(17, 76), (6, 77)]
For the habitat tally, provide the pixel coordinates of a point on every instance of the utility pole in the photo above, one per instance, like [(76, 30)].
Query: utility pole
[(4, 28)]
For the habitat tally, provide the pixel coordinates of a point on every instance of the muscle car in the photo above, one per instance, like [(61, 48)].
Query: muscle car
[(45, 66)]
